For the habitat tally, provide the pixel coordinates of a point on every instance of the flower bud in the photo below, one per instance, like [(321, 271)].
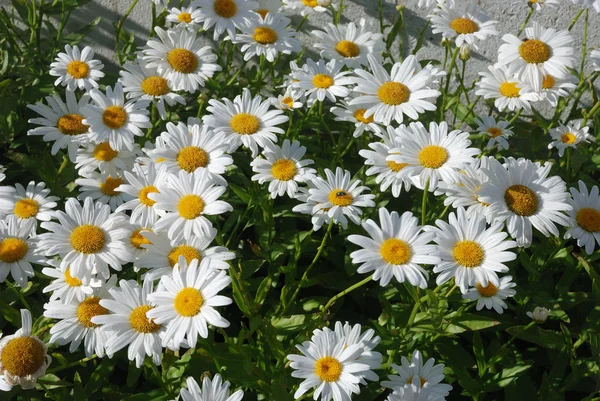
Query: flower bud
[(539, 314), (465, 52)]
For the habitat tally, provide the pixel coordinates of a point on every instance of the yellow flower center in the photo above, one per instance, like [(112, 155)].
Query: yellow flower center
[(70, 280), (509, 89), (464, 26), (89, 308), (188, 302), (137, 239), (569, 138), (433, 156), (144, 195), (265, 35), (395, 251), (103, 152), (494, 132), (70, 124), (190, 206), (192, 157), (328, 368), (548, 82), (360, 116), (155, 86), (488, 291), (284, 169), (262, 12), (182, 60), (245, 124), (395, 167), (588, 219), (393, 93), (140, 322), (468, 253), (289, 102), (185, 17), (26, 208), (23, 356), (340, 197), (114, 117), (521, 200), (347, 48), (310, 3), (108, 187), (12, 250), (78, 69), (88, 239), (423, 381), (322, 81), (188, 252), (535, 51), (225, 8)]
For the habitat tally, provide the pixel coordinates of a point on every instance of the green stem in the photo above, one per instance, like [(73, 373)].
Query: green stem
[(585, 36), (19, 295), (592, 112), (424, 203), (120, 28), (302, 23), (512, 120), (72, 364), (575, 19), (346, 291), (529, 14), (493, 359)]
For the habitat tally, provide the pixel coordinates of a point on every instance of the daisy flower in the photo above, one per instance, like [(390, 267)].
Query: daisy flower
[(584, 217), (283, 168), (192, 148), (595, 56), (341, 198), (163, 254), (464, 27), (185, 201), (102, 157), (75, 323), (212, 390), (319, 80), (318, 217), (139, 184), (588, 4), (246, 121), (17, 250), (103, 188), (544, 51), (349, 43), (498, 132), (506, 89), (470, 252), (61, 123), (129, 323), (187, 299), (23, 358), (569, 136), (141, 82), (394, 249), (539, 314), (65, 287), (112, 120), (88, 239), (77, 69), (31, 203), (434, 155), (290, 100), (419, 373), (225, 15), (521, 194), (329, 366), (185, 18), (538, 5), (309, 6), (413, 391), (555, 88), (389, 96), (178, 56), (388, 173), (492, 296), (268, 36), (355, 113)]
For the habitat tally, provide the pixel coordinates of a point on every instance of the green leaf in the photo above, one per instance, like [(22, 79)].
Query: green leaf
[(263, 290), (509, 375), (154, 395), (133, 373), (78, 392), (77, 36), (469, 321), (99, 378), (545, 338), (240, 192), (288, 324), (478, 351)]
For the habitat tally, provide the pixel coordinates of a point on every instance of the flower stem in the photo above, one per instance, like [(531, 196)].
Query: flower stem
[(424, 203), (493, 359), (574, 21), (346, 291), (72, 364), (526, 21)]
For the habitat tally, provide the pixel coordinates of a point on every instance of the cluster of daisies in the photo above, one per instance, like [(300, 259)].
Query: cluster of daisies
[(152, 205)]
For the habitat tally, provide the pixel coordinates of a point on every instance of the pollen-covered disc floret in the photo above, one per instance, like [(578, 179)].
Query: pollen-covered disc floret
[(320, 80), (521, 194), (355, 113), (23, 357), (339, 197), (395, 248), (469, 251), (186, 301), (492, 296), (77, 68), (18, 250), (570, 135), (103, 188), (32, 202), (225, 15), (584, 217), (497, 131), (467, 28), (507, 89)]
